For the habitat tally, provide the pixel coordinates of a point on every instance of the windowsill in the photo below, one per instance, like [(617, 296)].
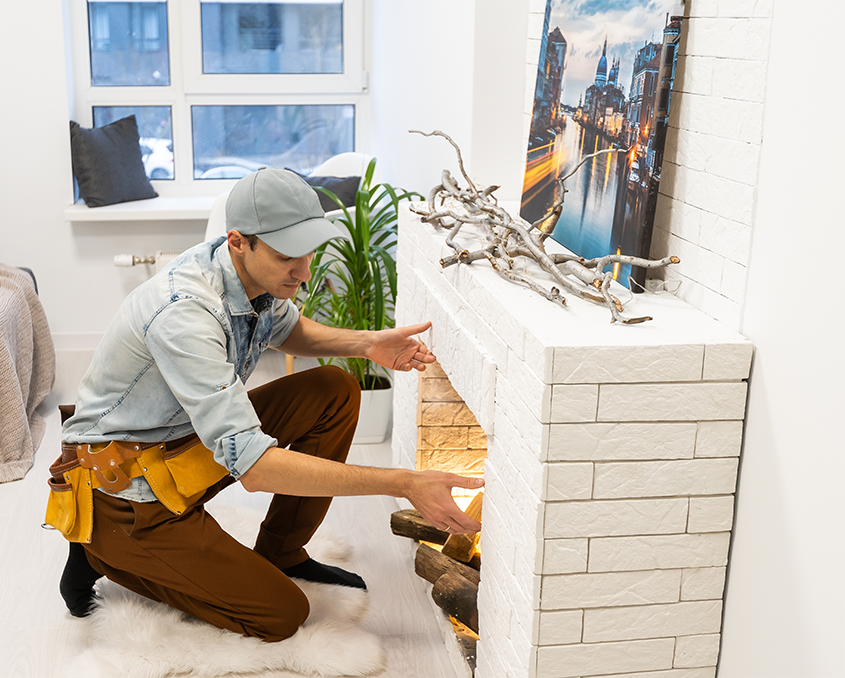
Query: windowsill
[(163, 208)]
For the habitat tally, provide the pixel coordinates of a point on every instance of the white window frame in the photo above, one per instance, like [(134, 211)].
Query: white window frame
[(189, 86)]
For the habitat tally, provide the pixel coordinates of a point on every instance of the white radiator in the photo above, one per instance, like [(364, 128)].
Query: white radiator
[(164, 257)]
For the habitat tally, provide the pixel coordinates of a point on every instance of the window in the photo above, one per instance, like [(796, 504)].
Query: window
[(220, 88), (232, 141), (272, 37), (128, 44)]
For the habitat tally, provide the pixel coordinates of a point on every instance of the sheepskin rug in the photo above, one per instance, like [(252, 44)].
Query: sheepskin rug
[(133, 637)]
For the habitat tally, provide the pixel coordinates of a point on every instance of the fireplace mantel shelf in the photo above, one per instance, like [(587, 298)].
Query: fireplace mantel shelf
[(581, 323)]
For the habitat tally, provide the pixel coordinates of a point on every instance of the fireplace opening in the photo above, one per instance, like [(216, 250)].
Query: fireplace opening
[(450, 439)]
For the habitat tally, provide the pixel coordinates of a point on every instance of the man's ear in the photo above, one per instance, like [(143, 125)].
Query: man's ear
[(236, 241)]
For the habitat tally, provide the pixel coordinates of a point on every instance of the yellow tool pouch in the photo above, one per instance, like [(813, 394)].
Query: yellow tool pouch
[(179, 477), (70, 506), (190, 468), (178, 473)]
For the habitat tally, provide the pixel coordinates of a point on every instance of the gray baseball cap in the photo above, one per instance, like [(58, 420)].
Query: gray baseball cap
[(280, 208)]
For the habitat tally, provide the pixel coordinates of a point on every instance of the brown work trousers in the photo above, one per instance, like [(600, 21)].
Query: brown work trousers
[(190, 563)]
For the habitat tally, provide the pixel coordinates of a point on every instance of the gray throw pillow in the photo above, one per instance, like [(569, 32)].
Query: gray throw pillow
[(107, 163), (345, 188)]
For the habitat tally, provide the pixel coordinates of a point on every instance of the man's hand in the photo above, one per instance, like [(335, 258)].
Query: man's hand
[(431, 494), (397, 349)]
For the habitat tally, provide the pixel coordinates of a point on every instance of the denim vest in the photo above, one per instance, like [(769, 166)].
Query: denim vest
[(175, 359)]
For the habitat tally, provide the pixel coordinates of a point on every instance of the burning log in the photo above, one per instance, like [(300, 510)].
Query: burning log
[(410, 523), (455, 585), (430, 564), (462, 546), (458, 597)]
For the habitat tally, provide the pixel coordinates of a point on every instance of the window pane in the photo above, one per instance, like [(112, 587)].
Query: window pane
[(128, 43), (232, 141), (154, 128), (272, 37)]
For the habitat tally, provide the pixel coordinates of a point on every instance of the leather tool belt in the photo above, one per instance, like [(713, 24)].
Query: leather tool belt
[(178, 471)]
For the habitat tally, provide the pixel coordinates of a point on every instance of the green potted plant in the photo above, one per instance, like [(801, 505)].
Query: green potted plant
[(353, 285)]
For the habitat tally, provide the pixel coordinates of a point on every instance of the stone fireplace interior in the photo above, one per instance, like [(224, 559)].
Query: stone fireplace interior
[(449, 437)]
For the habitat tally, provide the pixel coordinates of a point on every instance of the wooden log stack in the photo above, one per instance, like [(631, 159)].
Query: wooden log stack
[(454, 569)]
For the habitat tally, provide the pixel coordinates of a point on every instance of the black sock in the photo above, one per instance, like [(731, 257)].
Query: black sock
[(77, 583), (311, 570)]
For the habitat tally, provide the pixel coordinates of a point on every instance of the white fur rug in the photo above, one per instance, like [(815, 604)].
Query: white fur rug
[(133, 637)]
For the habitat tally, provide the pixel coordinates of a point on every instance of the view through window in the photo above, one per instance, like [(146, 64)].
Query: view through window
[(232, 141), (260, 94), (272, 37)]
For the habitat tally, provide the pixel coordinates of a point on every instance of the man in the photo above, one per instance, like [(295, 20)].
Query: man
[(163, 422)]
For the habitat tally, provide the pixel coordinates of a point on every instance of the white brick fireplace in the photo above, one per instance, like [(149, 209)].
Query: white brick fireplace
[(611, 467)]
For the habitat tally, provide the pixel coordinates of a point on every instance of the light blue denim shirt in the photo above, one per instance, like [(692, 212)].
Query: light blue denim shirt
[(175, 359)]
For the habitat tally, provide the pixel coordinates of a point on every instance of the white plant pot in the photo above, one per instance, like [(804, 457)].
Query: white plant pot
[(374, 416)]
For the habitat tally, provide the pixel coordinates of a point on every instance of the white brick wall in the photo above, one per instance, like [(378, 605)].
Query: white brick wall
[(562, 556), (692, 651), (703, 583), (595, 442), (670, 402), (705, 211), (611, 468), (709, 672), (652, 621), (611, 589), (615, 518), (590, 659), (617, 554), (609, 364), (664, 478)]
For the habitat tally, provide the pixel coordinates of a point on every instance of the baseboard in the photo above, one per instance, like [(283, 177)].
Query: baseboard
[(76, 341)]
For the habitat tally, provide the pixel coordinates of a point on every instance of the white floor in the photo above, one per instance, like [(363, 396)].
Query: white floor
[(37, 634)]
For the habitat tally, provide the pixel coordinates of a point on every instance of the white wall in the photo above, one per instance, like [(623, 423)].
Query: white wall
[(457, 66), (500, 81), (416, 56), (784, 613), (35, 163), (80, 287)]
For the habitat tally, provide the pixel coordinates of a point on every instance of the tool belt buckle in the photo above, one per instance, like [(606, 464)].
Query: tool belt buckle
[(107, 460)]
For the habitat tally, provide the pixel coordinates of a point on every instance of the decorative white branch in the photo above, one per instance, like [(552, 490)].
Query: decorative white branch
[(507, 238)]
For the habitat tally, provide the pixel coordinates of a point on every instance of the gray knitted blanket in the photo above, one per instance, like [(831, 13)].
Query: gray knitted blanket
[(27, 370)]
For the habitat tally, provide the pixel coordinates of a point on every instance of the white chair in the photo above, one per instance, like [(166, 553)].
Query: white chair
[(345, 165), (216, 225), (341, 165)]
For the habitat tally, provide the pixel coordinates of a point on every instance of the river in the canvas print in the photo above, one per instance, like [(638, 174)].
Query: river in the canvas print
[(605, 81)]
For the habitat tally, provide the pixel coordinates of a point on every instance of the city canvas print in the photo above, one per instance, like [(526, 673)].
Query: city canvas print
[(604, 81)]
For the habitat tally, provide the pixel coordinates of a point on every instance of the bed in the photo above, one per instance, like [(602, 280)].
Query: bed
[(27, 371)]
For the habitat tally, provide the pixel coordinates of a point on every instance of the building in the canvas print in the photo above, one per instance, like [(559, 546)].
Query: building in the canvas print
[(613, 94)]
